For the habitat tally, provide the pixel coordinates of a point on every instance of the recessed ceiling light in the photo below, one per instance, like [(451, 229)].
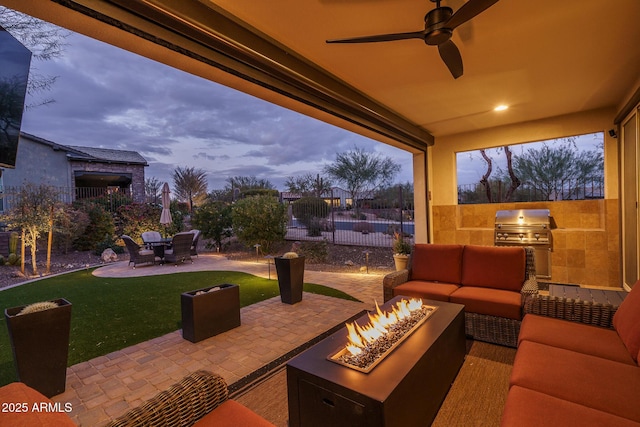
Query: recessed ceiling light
[(501, 107)]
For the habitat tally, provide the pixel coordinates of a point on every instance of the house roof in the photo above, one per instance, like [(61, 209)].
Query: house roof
[(90, 154), (106, 155)]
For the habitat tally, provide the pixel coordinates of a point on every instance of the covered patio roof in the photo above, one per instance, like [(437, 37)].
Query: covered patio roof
[(543, 59)]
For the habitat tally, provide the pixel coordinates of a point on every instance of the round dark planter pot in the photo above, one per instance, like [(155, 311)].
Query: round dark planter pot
[(40, 345), (290, 278)]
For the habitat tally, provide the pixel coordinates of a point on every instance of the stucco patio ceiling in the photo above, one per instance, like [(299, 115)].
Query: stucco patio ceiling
[(543, 59)]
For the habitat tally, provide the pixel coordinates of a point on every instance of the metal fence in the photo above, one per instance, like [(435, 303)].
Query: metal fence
[(371, 222), (498, 192), (109, 197)]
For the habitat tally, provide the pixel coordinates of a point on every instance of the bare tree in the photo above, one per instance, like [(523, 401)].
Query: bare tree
[(485, 178), (152, 190), (45, 41)]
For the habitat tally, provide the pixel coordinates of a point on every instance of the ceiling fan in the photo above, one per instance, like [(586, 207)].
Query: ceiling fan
[(439, 24)]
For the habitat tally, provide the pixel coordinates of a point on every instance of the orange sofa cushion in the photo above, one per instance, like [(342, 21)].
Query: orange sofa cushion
[(587, 380), (26, 415), (232, 414), (492, 302), (436, 263), (429, 290), (493, 267), (529, 408), (574, 336), (626, 321)]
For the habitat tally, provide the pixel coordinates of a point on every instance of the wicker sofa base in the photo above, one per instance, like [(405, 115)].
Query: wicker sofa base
[(571, 309), (496, 330)]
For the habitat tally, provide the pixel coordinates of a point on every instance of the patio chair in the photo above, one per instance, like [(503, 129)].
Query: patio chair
[(199, 399), (180, 248), (138, 255), (194, 245), (151, 236)]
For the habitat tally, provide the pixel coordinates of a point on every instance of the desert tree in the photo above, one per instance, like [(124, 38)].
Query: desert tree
[(557, 172), (362, 172), (33, 213), (308, 185), (190, 185)]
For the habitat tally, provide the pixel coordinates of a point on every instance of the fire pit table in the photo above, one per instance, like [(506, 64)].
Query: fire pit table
[(405, 389)]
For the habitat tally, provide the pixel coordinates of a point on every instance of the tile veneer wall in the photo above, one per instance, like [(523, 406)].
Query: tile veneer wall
[(586, 242)]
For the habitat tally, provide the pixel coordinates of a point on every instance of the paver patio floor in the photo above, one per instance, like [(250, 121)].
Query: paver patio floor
[(106, 387)]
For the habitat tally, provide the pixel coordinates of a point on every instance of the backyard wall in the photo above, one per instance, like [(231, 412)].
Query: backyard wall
[(587, 240)]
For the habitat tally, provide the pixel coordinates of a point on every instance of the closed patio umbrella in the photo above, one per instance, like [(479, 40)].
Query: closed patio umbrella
[(165, 216)]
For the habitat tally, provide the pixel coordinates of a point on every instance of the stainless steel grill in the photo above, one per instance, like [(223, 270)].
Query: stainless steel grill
[(527, 227)]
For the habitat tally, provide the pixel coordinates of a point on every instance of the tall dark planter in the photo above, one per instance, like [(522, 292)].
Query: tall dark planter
[(40, 344), (210, 313), (290, 278)]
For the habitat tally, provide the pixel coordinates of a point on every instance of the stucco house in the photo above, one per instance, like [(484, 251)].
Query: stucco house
[(75, 171)]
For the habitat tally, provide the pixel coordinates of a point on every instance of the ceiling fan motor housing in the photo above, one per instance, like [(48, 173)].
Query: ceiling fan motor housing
[(435, 31)]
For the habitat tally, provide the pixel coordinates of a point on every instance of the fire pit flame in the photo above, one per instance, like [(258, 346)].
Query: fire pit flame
[(379, 324), (367, 345)]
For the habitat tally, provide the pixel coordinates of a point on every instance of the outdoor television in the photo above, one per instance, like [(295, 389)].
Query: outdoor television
[(15, 60)]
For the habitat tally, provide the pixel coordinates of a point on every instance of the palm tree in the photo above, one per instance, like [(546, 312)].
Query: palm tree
[(190, 185)]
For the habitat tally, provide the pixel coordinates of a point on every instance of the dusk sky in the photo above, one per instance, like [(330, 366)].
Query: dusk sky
[(110, 98)]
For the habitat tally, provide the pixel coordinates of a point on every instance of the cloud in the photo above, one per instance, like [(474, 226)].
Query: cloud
[(107, 97)]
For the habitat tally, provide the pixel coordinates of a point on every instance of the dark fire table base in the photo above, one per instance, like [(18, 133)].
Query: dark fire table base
[(405, 389)]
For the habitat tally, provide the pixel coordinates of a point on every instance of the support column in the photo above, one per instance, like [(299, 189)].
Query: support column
[(421, 198)]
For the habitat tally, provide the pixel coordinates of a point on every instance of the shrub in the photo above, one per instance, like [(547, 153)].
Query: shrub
[(137, 218), (309, 211), (314, 229), (363, 227), (108, 202), (14, 259), (100, 224), (400, 246), (259, 220), (70, 223), (13, 243), (315, 251), (214, 221), (108, 243)]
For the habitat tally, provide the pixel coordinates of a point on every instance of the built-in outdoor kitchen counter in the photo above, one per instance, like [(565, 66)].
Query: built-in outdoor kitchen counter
[(405, 389)]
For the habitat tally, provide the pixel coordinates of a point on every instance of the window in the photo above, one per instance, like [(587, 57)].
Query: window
[(570, 168)]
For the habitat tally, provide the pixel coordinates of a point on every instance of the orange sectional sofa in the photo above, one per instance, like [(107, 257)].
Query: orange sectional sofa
[(568, 373), (488, 280), (199, 400)]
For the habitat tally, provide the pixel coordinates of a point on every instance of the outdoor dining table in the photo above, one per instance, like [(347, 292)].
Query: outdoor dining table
[(159, 246)]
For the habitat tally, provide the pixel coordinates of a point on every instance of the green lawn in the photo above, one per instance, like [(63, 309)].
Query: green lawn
[(109, 314)]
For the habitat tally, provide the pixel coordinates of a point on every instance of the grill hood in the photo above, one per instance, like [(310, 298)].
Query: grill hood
[(523, 218)]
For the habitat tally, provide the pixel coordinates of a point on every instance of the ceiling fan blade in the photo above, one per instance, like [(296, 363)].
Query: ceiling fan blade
[(451, 57), (469, 10), (381, 38)]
